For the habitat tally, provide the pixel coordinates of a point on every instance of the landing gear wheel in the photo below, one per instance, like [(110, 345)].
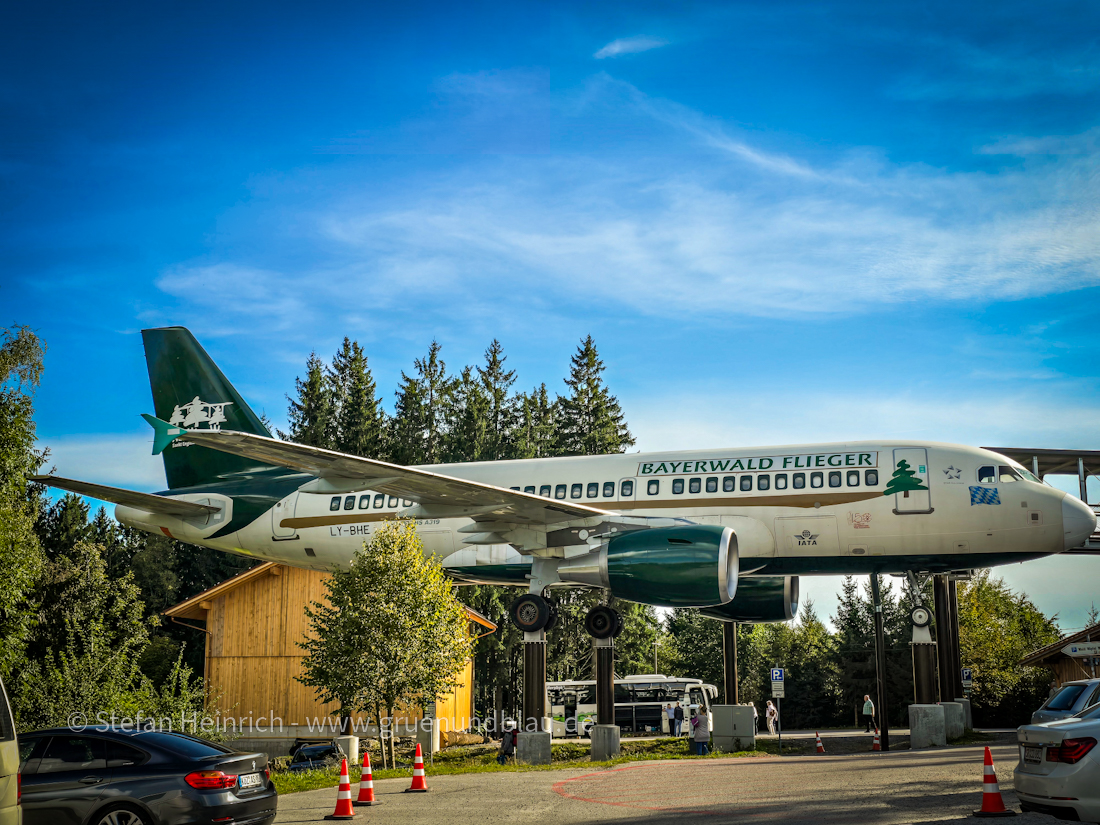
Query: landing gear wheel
[(554, 614), (530, 613), (921, 616), (603, 623)]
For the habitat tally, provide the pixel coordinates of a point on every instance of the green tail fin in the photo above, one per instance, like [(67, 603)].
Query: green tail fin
[(190, 392)]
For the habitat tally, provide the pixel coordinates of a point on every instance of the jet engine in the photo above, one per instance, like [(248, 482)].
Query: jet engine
[(759, 599), (691, 565)]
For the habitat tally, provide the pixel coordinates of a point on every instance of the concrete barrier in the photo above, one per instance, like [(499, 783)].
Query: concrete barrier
[(605, 742), (968, 721), (954, 720), (350, 746), (533, 748), (926, 726)]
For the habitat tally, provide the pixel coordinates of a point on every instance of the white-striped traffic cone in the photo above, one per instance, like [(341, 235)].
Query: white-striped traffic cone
[(820, 747), (366, 784), (877, 744), (343, 797), (992, 803), (419, 785)]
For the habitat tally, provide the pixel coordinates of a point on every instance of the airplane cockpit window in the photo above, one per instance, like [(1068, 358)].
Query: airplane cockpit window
[(544, 491), (781, 481), (627, 489), (798, 481), (1009, 474), (712, 484), (695, 485), (763, 482), (364, 502), (817, 480), (746, 483), (834, 478), (379, 500), (349, 503), (1030, 476), (335, 503), (870, 478), (853, 478), (654, 487), (608, 489), (728, 484), (593, 489), (559, 491), (987, 475), (677, 486)]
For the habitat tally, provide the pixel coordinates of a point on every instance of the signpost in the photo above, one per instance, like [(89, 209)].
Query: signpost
[(777, 694), (967, 679), (1082, 650)]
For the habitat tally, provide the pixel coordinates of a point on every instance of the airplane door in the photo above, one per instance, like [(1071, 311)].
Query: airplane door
[(909, 481), (284, 510)]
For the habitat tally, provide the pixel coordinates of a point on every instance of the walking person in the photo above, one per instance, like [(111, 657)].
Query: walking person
[(868, 713), (755, 719), (701, 722), (771, 715), (670, 713), (678, 717), (507, 743)]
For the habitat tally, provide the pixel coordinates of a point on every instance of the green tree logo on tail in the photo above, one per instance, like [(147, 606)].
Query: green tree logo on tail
[(902, 481)]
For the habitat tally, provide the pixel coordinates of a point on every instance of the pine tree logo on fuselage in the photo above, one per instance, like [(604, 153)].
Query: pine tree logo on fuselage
[(903, 480)]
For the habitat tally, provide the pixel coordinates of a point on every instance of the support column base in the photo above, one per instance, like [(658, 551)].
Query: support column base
[(533, 748), (605, 742), (926, 727), (968, 716)]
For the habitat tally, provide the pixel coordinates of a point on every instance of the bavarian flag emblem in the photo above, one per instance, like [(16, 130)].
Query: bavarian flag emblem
[(984, 495)]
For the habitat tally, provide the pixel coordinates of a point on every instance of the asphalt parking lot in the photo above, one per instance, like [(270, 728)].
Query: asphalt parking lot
[(936, 786)]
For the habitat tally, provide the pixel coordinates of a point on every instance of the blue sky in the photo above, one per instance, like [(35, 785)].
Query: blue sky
[(782, 222)]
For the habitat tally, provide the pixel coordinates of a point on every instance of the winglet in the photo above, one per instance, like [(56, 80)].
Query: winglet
[(163, 433)]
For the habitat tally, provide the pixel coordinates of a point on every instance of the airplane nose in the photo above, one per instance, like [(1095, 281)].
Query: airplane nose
[(1078, 521)]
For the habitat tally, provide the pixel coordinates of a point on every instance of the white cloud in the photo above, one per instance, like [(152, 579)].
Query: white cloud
[(629, 45), (117, 460)]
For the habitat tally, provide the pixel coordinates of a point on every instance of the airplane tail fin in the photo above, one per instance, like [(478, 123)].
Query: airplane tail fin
[(190, 392)]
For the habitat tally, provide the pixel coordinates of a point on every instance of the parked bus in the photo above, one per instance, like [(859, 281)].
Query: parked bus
[(639, 703)]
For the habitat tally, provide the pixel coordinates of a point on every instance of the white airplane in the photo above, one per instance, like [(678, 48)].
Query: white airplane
[(727, 531)]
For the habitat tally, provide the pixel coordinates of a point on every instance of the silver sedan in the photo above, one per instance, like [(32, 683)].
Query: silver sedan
[(1059, 768)]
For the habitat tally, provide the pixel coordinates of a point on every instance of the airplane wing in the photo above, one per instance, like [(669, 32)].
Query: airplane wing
[(140, 501), (437, 494)]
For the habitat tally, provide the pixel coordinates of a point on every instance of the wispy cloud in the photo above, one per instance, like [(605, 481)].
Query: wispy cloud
[(115, 460), (629, 45)]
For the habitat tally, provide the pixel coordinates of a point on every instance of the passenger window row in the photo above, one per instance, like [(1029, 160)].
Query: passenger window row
[(366, 502)]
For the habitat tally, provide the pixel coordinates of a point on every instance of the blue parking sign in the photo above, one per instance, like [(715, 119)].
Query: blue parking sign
[(777, 674), (966, 674)]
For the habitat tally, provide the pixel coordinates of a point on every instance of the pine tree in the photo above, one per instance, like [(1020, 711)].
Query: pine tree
[(467, 428), (591, 421), (64, 525), (496, 383), (419, 425), (358, 420), (854, 650), (311, 413), (536, 435)]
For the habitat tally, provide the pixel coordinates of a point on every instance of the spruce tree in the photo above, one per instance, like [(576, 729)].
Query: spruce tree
[(419, 425), (854, 650), (496, 383), (590, 420), (311, 413), (535, 434), (358, 419), (467, 428)]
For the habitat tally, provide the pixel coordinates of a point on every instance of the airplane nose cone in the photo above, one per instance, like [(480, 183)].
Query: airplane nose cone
[(1078, 521)]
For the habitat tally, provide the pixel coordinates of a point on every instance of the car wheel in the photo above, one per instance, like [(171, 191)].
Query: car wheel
[(120, 815), (530, 613)]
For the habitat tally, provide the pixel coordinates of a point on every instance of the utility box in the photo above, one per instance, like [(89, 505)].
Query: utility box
[(733, 728)]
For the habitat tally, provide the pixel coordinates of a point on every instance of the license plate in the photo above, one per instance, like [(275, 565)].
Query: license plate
[(249, 780), (1033, 756)]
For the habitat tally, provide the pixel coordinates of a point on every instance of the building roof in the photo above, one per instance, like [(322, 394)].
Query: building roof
[(196, 606), (1055, 462), (1053, 651)]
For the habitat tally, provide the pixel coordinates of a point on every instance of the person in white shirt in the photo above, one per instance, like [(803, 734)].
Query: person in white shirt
[(670, 712)]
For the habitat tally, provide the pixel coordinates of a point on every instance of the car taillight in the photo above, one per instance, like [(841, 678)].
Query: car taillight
[(1071, 750), (211, 780), (19, 789), (267, 773)]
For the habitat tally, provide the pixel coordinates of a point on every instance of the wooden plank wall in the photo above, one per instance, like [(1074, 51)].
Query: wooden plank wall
[(253, 654)]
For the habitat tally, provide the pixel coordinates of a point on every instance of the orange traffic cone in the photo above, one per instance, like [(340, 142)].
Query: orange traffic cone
[(820, 747), (992, 804), (343, 797), (418, 785), (877, 744), (366, 784)]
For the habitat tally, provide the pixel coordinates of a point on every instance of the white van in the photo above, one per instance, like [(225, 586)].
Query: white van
[(10, 811)]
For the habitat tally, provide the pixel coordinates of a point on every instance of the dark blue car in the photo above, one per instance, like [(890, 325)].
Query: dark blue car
[(111, 776)]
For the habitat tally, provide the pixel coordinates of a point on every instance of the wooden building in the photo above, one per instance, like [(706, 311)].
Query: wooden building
[(1066, 668), (253, 624)]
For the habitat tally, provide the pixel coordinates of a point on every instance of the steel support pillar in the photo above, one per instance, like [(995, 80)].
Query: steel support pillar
[(729, 662), (956, 652), (605, 681), (880, 665), (942, 609), (924, 673), (534, 682)]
